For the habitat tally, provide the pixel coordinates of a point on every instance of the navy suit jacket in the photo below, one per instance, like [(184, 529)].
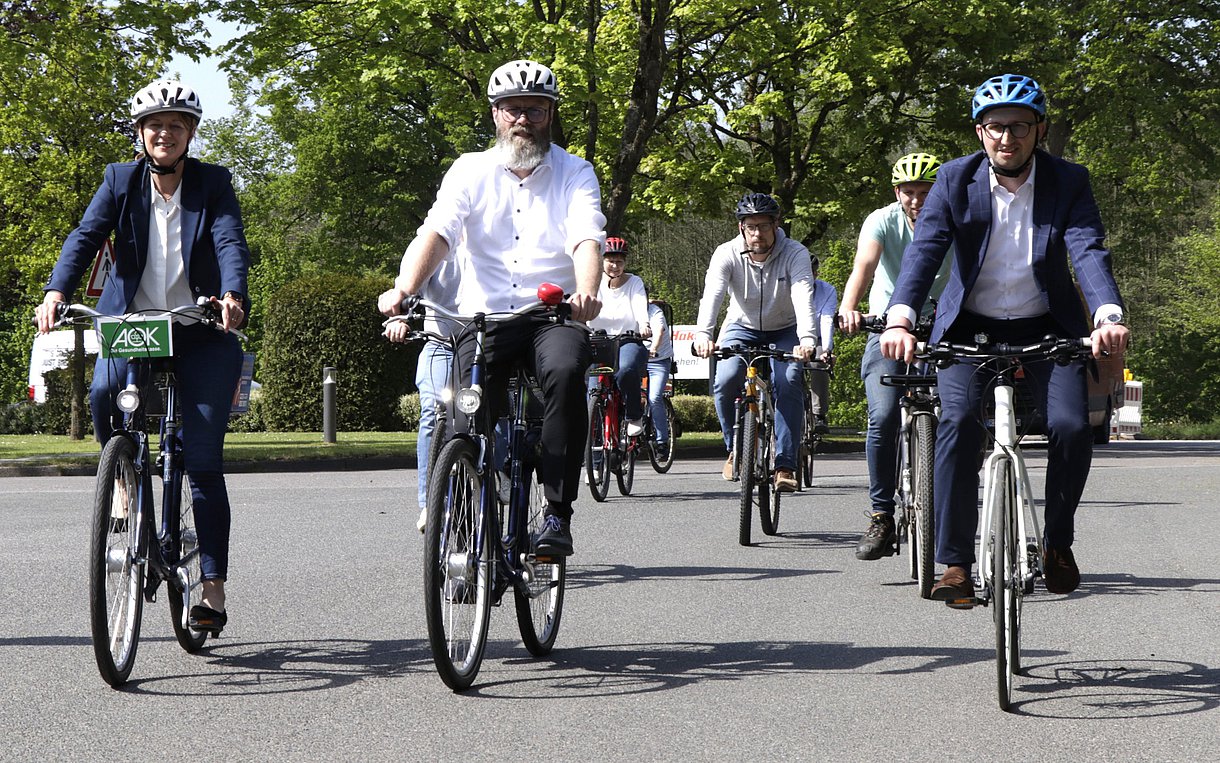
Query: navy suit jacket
[(1066, 222), (216, 258)]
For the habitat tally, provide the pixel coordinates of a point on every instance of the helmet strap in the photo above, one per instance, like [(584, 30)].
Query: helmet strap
[(158, 169)]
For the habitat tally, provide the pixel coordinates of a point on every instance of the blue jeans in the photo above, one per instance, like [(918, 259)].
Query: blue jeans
[(786, 388), (207, 365), (632, 361), (658, 377), (884, 418), (431, 377)]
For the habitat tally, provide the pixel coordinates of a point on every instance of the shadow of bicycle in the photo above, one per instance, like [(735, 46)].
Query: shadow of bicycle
[(1115, 689)]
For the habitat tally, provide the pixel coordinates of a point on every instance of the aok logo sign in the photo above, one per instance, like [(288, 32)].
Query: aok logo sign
[(143, 339)]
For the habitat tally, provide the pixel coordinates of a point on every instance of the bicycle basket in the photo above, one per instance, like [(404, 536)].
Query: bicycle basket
[(605, 354)]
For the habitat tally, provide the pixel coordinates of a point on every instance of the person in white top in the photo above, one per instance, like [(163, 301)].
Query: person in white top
[(660, 366), (624, 308), (767, 277), (515, 216)]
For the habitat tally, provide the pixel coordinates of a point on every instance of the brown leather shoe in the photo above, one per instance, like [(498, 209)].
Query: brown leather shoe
[(785, 481), (955, 588), (1059, 570), (727, 471)]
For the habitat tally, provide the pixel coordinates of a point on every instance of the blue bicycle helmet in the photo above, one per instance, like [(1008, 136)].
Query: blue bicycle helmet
[(1009, 90)]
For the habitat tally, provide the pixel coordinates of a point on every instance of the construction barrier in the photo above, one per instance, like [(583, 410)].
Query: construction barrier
[(1125, 423)]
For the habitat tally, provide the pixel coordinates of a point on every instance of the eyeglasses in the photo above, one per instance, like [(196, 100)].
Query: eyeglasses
[(1018, 130), (535, 114), (157, 127), (759, 228)]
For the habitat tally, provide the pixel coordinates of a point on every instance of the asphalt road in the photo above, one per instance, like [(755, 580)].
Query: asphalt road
[(676, 644)]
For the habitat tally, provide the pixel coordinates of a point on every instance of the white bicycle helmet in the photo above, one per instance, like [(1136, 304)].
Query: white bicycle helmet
[(522, 78), (165, 95)]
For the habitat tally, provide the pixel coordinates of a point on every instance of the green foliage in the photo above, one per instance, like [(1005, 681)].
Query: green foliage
[(252, 420), (696, 412), (330, 320), (409, 411), (55, 415), (19, 418)]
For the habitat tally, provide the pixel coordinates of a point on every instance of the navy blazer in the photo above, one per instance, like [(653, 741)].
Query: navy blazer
[(958, 212), (216, 258)]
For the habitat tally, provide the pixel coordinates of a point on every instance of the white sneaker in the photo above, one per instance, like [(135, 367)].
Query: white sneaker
[(423, 520), (635, 427)]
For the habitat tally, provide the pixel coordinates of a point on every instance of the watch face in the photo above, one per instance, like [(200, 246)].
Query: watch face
[(1112, 318)]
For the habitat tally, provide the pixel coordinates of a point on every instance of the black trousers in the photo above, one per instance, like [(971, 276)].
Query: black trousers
[(558, 355)]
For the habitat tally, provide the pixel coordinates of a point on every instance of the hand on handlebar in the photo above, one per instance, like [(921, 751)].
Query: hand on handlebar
[(232, 312), (804, 352), (703, 347), (850, 321), (390, 301), (898, 343), (1110, 339), (46, 315), (585, 307)]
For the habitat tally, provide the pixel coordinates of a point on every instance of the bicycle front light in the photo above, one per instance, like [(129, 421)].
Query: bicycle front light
[(128, 400), (469, 400)]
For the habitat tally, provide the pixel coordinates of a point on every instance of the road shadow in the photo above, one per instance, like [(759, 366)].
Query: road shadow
[(619, 669), (1105, 690), (1125, 584), (596, 575)]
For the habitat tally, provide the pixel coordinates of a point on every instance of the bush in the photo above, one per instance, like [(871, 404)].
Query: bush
[(696, 412), (252, 419), (19, 418), (330, 319), (408, 411), (55, 415)]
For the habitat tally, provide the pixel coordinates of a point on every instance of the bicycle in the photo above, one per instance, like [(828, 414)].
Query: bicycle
[(1010, 556), (662, 459), (811, 437), (609, 449), (129, 557), (754, 439), (919, 405), (476, 549)]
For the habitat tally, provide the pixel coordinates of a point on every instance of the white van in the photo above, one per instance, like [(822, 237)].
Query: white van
[(51, 351)]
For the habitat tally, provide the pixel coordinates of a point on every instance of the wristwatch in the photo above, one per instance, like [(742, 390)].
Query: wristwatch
[(239, 299), (1113, 319)]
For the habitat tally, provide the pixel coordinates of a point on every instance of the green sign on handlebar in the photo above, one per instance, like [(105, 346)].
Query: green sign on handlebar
[(150, 337)]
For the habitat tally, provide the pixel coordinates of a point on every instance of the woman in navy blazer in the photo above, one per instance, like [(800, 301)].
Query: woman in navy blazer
[(178, 236)]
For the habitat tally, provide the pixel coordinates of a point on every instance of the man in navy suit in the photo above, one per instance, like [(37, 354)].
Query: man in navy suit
[(1013, 214)]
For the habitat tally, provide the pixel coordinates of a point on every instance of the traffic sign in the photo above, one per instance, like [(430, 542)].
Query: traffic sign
[(103, 264)]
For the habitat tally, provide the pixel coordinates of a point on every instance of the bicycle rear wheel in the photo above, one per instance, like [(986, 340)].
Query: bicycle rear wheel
[(1004, 583), (625, 476), (116, 580), (540, 604), (768, 496), (746, 474), (807, 447), (457, 565), (923, 529), (662, 465), (597, 451), (186, 551)]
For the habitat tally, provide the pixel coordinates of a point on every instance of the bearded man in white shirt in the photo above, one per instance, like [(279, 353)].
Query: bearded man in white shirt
[(520, 214)]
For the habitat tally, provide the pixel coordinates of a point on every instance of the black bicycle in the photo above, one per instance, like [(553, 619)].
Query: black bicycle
[(130, 553), (811, 434), (915, 519), (477, 547)]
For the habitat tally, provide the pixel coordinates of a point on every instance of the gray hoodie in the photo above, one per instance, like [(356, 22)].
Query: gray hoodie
[(766, 296)]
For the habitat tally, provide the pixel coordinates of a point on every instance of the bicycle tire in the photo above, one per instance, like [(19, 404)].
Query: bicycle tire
[(768, 496), (1003, 584), (923, 534), (540, 605), (597, 466), (457, 565), (746, 474), (185, 547), (116, 580), (663, 465), (807, 447), (625, 476)]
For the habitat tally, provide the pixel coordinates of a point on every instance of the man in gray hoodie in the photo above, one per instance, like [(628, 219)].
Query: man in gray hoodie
[(770, 286)]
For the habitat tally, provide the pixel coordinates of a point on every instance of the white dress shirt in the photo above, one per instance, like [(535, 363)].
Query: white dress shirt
[(512, 234), (163, 283), (1006, 288)]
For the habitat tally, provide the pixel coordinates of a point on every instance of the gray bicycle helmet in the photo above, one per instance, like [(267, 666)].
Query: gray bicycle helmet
[(757, 204), (165, 95), (522, 77)]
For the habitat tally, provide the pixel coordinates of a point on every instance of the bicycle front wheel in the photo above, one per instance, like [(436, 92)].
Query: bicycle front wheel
[(597, 451), (807, 448), (754, 489), (923, 529), (186, 551), (540, 602), (625, 476), (116, 578), (768, 496), (659, 463), (1005, 585), (457, 565)]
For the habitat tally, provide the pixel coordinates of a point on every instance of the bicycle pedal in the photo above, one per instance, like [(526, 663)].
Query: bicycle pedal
[(969, 602)]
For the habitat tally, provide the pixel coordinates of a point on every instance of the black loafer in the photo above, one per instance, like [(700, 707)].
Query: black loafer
[(207, 620), (1059, 570)]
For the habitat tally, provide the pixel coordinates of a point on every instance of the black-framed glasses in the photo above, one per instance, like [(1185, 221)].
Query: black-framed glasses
[(535, 114), (1018, 130), (758, 228)]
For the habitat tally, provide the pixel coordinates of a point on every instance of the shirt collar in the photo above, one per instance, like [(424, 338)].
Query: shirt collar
[(1029, 181)]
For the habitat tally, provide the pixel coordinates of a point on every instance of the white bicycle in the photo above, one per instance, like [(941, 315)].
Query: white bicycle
[(1010, 537)]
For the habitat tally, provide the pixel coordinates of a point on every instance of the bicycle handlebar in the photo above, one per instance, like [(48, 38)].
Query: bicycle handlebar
[(203, 311), (876, 324), (1061, 350), (753, 352)]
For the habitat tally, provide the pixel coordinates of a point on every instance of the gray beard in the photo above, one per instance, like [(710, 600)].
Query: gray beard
[(522, 153)]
